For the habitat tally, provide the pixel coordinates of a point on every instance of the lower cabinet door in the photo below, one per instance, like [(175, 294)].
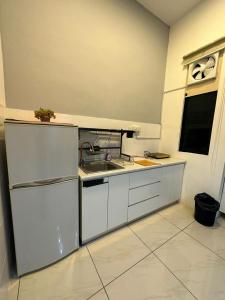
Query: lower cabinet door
[(172, 178), (177, 172), (118, 200), (94, 210)]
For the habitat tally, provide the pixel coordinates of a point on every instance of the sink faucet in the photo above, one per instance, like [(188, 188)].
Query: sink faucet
[(81, 150)]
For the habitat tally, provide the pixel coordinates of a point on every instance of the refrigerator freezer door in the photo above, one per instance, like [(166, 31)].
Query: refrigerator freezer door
[(45, 222), (39, 152)]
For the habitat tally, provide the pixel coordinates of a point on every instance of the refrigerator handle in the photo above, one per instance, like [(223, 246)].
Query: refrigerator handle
[(44, 182)]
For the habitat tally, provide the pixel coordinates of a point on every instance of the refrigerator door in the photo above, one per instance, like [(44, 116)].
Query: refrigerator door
[(40, 152), (44, 182), (45, 224)]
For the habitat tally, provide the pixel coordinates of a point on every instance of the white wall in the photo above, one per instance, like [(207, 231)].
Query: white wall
[(201, 26), (204, 24)]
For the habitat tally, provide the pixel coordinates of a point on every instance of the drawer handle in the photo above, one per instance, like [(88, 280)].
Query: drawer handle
[(136, 187), (143, 200)]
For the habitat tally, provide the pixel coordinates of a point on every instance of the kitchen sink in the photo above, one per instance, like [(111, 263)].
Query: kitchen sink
[(99, 166)]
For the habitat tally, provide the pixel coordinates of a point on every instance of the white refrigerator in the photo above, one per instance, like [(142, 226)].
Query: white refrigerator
[(43, 181)]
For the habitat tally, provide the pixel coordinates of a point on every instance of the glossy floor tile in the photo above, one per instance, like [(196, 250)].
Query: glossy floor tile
[(154, 230), (149, 279), (4, 279), (181, 267), (211, 237), (179, 215), (117, 252), (100, 296), (13, 289), (72, 278), (201, 271), (220, 220)]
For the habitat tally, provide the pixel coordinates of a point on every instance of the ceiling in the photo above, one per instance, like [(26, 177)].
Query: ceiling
[(169, 11)]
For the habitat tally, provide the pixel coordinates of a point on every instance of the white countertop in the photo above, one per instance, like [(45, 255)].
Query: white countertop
[(131, 167)]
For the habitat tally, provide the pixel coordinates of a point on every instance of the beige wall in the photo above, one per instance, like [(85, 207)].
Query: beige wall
[(201, 26), (102, 58), (8, 284), (4, 266)]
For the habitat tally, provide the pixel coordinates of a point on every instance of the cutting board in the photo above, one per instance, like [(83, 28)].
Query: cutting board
[(145, 163)]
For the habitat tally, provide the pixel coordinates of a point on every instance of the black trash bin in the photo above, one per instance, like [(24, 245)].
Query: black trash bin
[(206, 208)]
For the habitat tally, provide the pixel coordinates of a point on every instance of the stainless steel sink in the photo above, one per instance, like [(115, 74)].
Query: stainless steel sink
[(99, 166)]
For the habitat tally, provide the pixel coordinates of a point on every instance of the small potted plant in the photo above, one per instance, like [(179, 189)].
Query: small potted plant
[(44, 115)]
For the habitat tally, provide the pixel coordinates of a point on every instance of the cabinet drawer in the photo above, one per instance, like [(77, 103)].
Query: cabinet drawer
[(143, 208), (144, 192), (145, 177)]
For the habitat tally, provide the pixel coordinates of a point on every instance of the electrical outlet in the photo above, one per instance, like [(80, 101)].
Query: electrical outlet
[(135, 128)]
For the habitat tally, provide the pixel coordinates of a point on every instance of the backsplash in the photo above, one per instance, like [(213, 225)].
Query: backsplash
[(150, 133), (108, 143)]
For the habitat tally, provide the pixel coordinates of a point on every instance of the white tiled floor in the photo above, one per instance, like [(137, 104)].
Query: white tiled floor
[(164, 256), (116, 253)]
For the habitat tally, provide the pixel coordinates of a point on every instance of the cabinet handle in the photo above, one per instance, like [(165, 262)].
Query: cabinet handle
[(91, 183)]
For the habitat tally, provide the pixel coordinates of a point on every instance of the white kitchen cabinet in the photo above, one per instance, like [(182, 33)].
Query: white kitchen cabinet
[(143, 208), (110, 202), (144, 177), (172, 178), (118, 200), (145, 192), (94, 208)]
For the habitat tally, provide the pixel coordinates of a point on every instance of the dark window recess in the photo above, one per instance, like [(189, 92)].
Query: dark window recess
[(197, 123)]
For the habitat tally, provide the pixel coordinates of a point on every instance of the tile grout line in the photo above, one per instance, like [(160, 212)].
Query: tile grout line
[(167, 241), (18, 290), (181, 282), (158, 246), (175, 224), (180, 230), (96, 293), (204, 245), (119, 274), (140, 239), (188, 225), (153, 252), (183, 230), (98, 274), (163, 242), (128, 269)]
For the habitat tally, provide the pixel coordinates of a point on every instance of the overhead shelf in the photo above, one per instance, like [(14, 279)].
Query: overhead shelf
[(129, 133)]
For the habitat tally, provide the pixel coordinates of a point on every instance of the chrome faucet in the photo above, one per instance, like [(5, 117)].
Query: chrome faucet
[(81, 150)]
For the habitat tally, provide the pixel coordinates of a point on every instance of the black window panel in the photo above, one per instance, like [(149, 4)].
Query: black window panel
[(197, 123)]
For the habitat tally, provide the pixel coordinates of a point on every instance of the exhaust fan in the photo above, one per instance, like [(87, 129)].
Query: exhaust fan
[(203, 69)]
